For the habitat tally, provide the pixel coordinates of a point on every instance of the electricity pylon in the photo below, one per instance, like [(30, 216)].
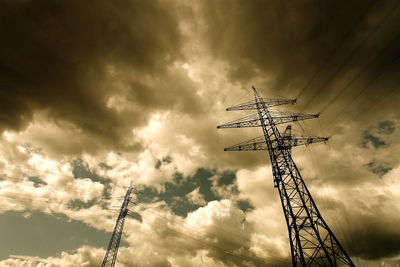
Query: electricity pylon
[(112, 251), (312, 242)]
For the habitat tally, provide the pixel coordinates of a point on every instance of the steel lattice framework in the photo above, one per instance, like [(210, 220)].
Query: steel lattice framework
[(112, 250), (312, 242)]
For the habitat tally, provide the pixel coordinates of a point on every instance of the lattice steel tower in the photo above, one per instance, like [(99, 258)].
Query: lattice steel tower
[(111, 254), (312, 242)]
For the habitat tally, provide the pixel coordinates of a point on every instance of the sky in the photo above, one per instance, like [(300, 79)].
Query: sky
[(95, 95)]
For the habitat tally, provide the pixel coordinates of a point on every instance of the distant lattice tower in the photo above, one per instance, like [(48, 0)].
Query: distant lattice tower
[(112, 251), (312, 242)]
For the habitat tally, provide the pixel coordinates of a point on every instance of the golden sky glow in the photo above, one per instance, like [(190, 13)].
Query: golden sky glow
[(96, 94)]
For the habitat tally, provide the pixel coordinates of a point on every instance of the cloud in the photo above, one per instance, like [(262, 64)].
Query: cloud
[(73, 62), (42, 184), (373, 207), (375, 142), (341, 61), (196, 198), (85, 257), (378, 168), (94, 97)]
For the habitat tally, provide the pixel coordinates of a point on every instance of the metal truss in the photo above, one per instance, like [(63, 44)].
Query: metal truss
[(112, 250), (254, 120), (269, 102), (288, 142), (312, 242)]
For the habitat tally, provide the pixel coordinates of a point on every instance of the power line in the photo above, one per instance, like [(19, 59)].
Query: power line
[(364, 69), (274, 94), (327, 200), (219, 228), (110, 257), (40, 199), (352, 54), (378, 101), (311, 240), (207, 243), (193, 227), (337, 222), (210, 245), (46, 172), (35, 198), (47, 201), (199, 232), (333, 52), (13, 178), (242, 97), (364, 111), (137, 201)]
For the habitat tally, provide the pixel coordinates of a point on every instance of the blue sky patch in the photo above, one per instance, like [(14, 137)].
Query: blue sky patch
[(44, 235)]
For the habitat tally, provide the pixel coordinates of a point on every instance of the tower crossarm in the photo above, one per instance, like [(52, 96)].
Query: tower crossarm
[(289, 141), (110, 257), (269, 102), (254, 120), (312, 242), (288, 131)]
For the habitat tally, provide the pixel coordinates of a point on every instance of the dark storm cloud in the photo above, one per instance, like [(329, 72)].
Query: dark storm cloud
[(287, 42), (56, 56), (276, 36), (376, 237)]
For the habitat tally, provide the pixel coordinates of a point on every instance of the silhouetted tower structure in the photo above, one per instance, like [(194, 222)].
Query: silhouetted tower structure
[(312, 242), (112, 251)]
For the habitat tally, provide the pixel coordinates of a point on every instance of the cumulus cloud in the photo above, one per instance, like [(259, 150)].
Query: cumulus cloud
[(97, 96), (90, 70), (85, 257), (291, 41), (196, 198)]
